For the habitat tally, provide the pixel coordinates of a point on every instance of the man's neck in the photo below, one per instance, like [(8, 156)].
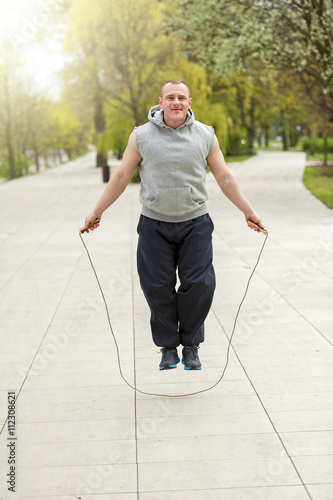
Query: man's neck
[(174, 123)]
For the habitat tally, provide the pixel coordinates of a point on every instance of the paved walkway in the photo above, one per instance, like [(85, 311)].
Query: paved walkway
[(264, 433)]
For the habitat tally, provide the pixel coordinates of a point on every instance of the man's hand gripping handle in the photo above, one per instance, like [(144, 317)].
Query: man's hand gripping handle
[(86, 229), (263, 230)]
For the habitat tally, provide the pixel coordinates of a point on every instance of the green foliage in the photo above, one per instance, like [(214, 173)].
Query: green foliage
[(67, 128), (119, 125), (320, 182), (121, 54), (136, 177), (21, 165), (205, 107), (116, 134), (248, 64), (31, 126), (244, 41), (230, 36), (135, 57), (52, 126), (215, 115), (237, 159), (4, 168), (303, 38), (317, 145)]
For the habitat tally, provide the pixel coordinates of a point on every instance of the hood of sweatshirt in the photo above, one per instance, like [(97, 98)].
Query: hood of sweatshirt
[(156, 114)]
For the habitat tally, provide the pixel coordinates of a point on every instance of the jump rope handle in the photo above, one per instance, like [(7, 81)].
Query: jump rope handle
[(263, 230), (85, 229)]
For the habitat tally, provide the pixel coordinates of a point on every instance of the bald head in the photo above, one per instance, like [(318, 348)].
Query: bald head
[(175, 81)]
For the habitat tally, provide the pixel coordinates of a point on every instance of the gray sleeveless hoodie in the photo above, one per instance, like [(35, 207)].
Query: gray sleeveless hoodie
[(173, 167)]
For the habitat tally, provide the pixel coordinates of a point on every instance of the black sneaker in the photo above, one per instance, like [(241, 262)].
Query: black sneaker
[(191, 359), (169, 358)]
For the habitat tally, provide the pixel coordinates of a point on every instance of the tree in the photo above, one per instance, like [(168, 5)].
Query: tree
[(13, 88), (210, 33), (53, 128), (119, 56), (84, 84), (290, 106), (136, 52), (7, 122), (238, 38), (300, 36), (205, 106)]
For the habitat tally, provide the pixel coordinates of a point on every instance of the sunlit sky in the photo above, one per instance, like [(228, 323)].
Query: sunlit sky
[(23, 21)]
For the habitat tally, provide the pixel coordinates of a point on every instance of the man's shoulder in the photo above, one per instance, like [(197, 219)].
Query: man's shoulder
[(144, 128), (203, 126), (204, 131), (142, 125)]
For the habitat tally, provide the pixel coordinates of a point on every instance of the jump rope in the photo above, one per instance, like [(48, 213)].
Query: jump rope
[(81, 231)]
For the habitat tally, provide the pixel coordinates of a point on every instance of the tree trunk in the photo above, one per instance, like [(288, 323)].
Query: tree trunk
[(293, 137), (248, 118), (236, 146), (250, 139), (36, 160), (251, 128), (266, 133), (285, 133), (11, 156), (36, 153), (284, 140), (101, 157), (10, 148), (325, 150)]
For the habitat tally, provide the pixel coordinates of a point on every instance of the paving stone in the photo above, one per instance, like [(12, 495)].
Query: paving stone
[(263, 433)]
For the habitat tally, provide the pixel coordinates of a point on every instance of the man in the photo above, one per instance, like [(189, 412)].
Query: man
[(172, 151)]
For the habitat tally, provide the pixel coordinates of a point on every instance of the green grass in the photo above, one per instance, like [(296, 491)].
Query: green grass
[(273, 146), (236, 159), (319, 180), (319, 157)]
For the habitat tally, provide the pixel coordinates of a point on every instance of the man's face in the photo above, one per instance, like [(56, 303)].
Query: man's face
[(175, 103)]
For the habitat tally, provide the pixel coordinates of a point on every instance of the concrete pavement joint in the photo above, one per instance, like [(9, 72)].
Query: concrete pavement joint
[(43, 338), (229, 447), (275, 465)]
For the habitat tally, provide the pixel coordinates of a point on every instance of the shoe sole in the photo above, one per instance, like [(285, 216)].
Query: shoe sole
[(169, 367), (191, 367)]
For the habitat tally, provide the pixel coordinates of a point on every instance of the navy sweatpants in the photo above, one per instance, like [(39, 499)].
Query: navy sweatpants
[(165, 248)]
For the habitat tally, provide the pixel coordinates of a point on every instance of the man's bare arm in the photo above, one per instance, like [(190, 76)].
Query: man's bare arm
[(229, 185), (117, 183)]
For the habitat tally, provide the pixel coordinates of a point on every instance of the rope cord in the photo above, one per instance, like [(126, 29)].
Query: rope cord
[(229, 343)]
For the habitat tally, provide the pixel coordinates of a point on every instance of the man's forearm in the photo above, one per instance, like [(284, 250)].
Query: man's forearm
[(117, 184), (229, 185), (233, 192), (114, 188)]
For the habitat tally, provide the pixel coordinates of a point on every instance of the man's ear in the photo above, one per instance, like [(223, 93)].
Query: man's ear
[(160, 101), (190, 101)]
